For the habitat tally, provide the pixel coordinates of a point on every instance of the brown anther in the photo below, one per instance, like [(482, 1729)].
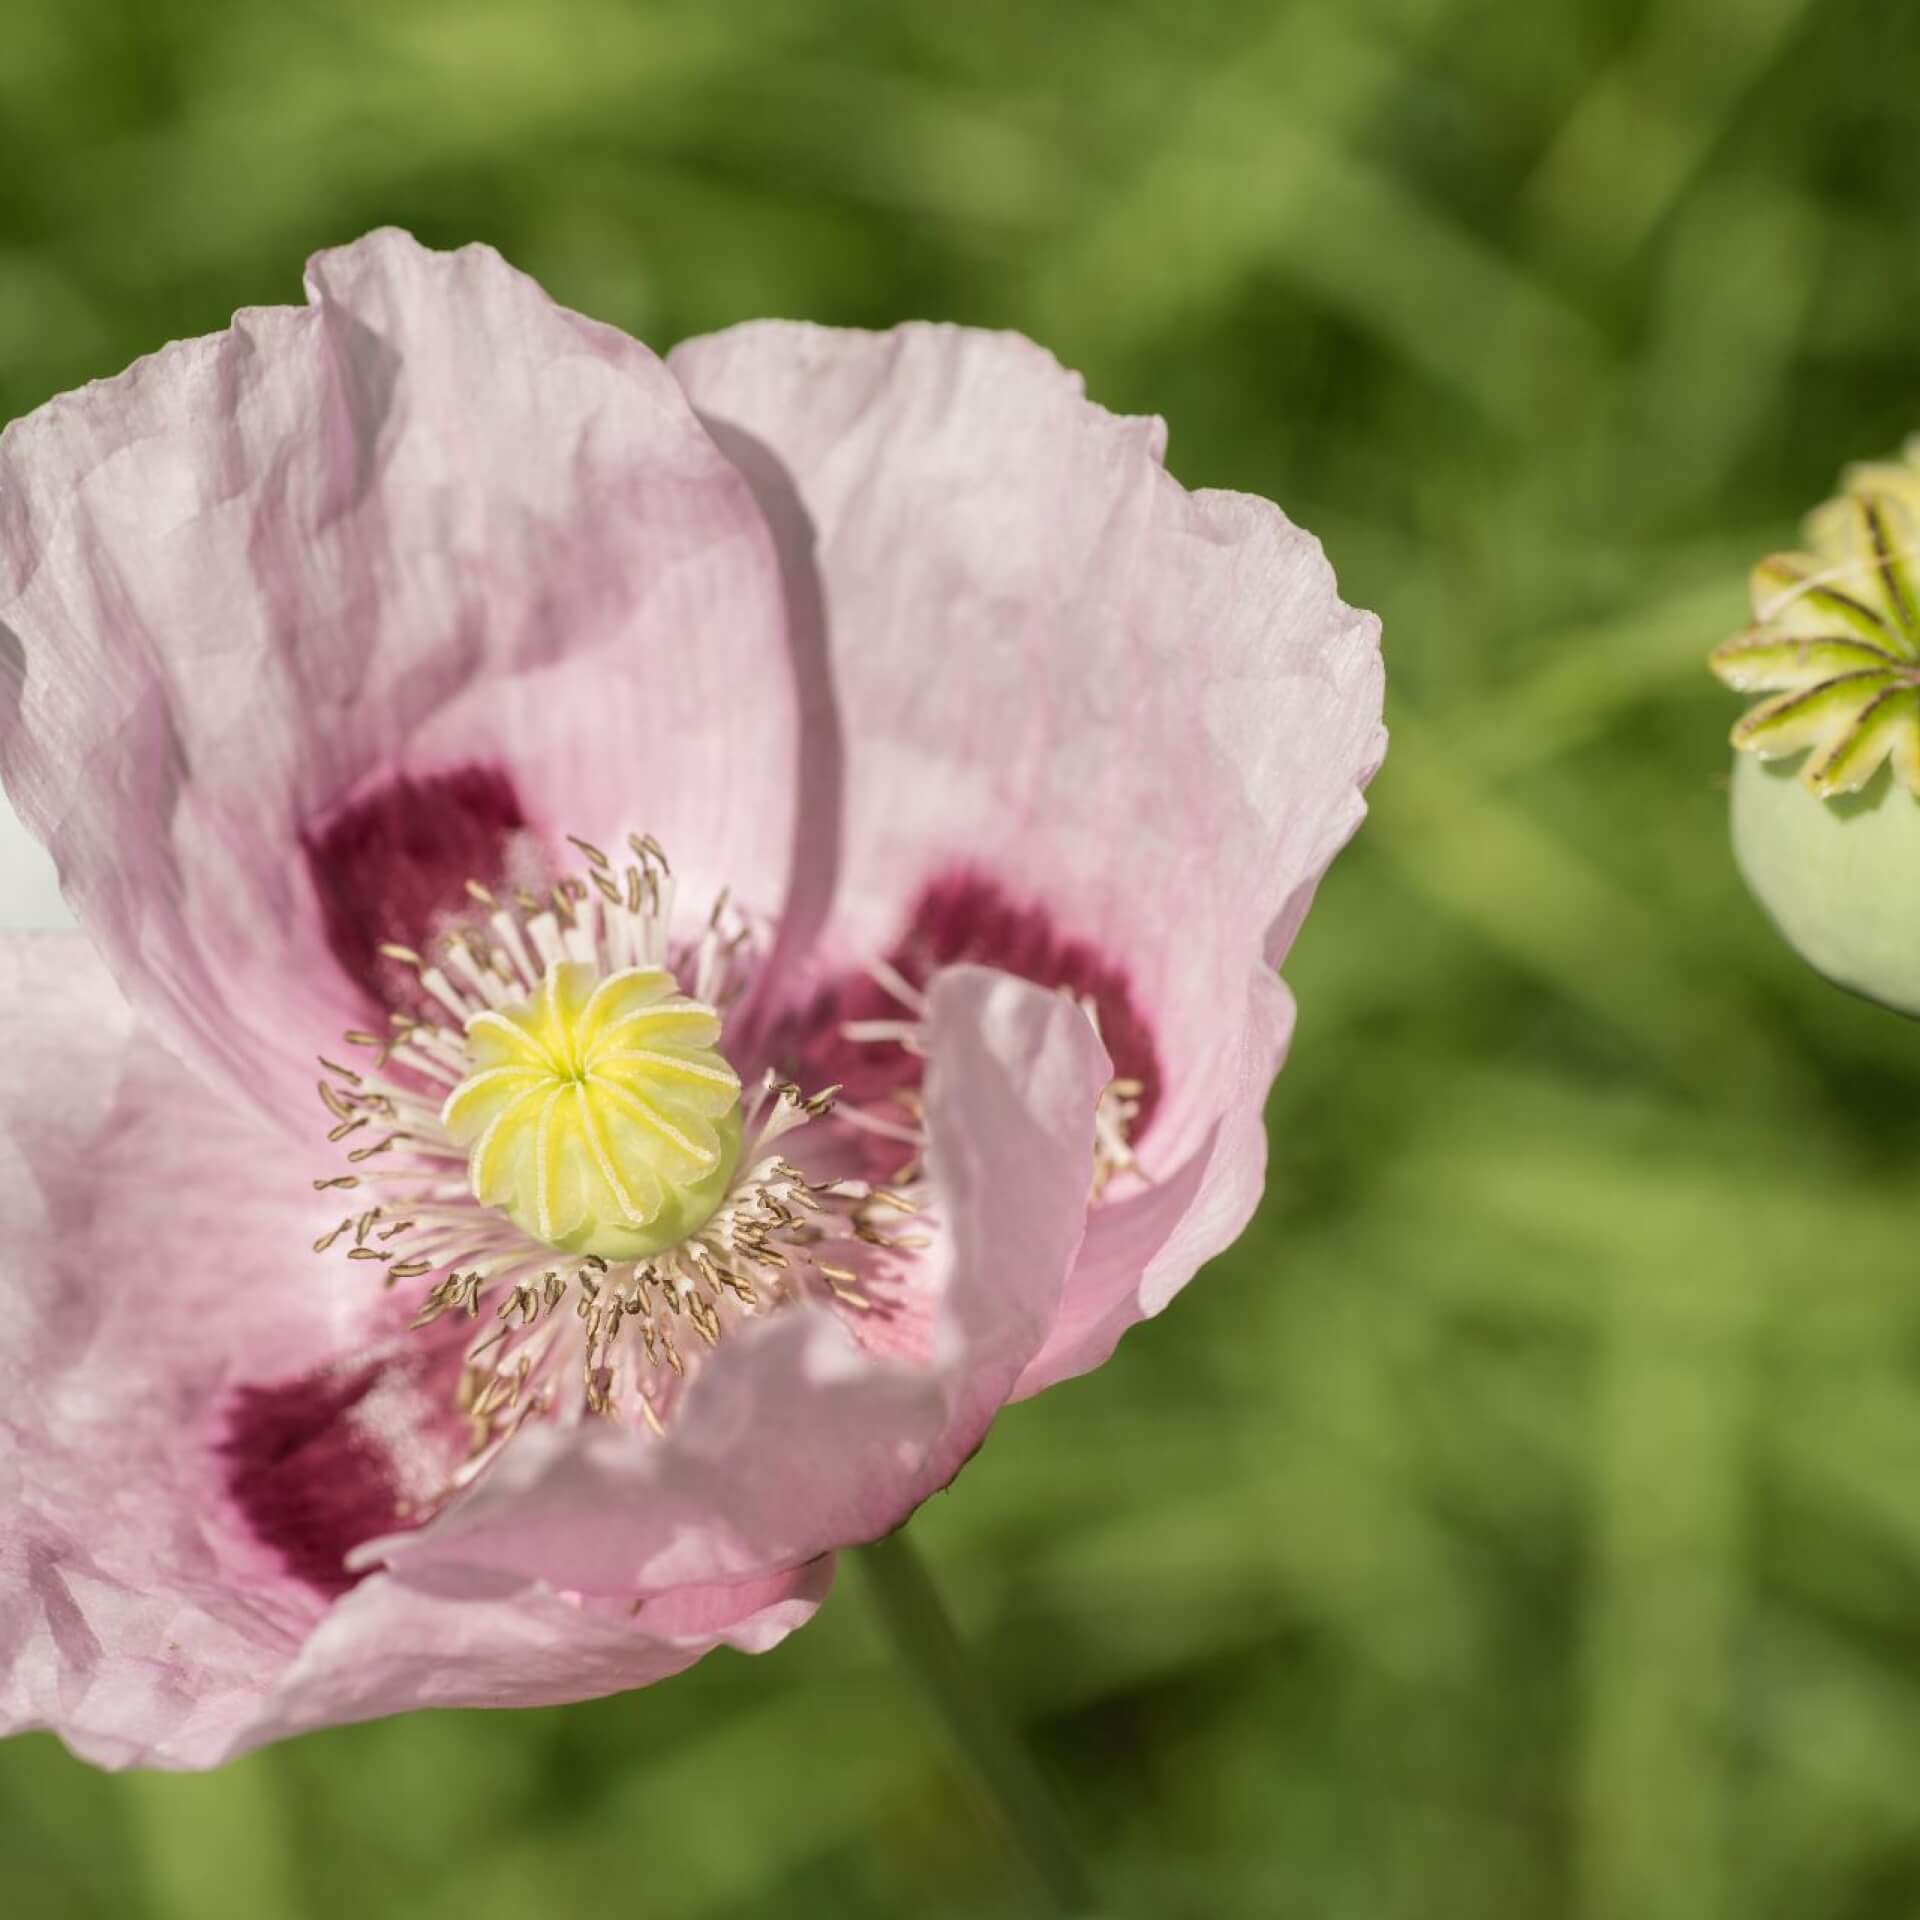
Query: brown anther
[(338, 1180), (405, 955), (503, 1390), (333, 1066), (367, 1253), (487, 1345), (592, 852), (379, 1146), (439, 1299), (841, 1281), (346, 1127), (409, 1269), (327, 1239)]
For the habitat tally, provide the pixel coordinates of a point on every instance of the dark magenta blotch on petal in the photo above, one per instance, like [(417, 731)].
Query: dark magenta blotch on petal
[(315, 1463), (965, 916), (392, 866)]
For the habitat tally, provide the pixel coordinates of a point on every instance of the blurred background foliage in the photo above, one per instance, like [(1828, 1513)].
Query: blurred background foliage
[(1525, 1519)]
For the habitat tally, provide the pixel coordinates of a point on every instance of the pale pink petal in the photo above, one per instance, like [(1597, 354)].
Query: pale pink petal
[(150, 1259), (156, 1297), (391, 1646), (795, 1439), (1143, 1245), (1139, 712), (429, 524)]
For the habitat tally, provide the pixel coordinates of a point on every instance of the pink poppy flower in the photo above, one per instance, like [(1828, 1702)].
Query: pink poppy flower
[(508, 783)]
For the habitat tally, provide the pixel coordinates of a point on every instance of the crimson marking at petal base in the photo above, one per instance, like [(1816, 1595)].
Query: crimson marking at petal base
[(966, 916), (393, 866), (311, 1480)]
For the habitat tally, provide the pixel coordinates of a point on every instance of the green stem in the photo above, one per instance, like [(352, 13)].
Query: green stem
[(923, 1635)]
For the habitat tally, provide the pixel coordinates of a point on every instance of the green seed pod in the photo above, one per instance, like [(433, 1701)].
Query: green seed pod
[(1840, 878), (1826, 782)]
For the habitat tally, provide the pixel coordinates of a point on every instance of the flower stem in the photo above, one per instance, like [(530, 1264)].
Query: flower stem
[(924, 1637)]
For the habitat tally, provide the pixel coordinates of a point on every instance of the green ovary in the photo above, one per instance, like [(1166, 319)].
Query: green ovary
[(599, 1116)]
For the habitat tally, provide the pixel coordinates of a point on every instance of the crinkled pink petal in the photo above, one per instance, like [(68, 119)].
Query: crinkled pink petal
[(149, 1260), (1143, 710), (794, 1438), (391, 1646), (1142, 1247), (429, 523), (153, 1273)]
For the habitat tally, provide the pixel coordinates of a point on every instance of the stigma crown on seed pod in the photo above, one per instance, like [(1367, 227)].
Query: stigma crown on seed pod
[(1826, 777)]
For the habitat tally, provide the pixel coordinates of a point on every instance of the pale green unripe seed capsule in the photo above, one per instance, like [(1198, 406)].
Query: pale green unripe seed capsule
[(1840, 878), (1826, 782)]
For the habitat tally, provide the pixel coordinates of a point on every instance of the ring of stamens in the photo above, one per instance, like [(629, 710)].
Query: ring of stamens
[(668, 1235), (729, 1227)]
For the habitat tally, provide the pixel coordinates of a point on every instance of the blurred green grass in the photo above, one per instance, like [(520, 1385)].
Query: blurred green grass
[(1525, 1520)]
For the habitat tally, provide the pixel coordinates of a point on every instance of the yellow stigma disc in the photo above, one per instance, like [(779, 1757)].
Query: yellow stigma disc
[(598, 1115)]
